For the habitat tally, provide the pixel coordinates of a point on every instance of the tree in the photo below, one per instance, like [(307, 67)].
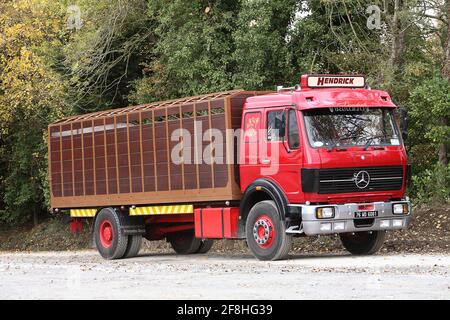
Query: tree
[(262, 56), (194, 49), (105, 56), (445, 118), (332, 37), (31, 96)]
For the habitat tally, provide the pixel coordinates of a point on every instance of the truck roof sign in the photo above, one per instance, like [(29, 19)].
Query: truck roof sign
[(333, 81)]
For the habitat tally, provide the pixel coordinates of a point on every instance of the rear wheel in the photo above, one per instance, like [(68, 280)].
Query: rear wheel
[(205, 246), (266, 232), (185, 242), (133, 247), (110, 242), (363, 243)]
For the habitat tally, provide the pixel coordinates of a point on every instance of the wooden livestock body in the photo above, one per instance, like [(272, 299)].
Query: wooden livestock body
[(123, 156)]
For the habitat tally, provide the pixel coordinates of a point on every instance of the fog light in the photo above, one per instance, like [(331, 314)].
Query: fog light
[(385, 224), (325, 213), (339, 226), (400, 208), (397, 223), (325, 227)]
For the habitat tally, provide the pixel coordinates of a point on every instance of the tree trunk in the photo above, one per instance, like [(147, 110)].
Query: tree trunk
[(443, 148), (445, 72), (446, 62), (398, 40), (35, 217)]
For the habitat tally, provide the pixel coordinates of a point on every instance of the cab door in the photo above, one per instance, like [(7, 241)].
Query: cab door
[(281, 156)]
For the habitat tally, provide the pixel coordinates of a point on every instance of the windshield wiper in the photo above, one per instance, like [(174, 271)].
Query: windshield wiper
[(369, 141), (331, 147), (334, 145)]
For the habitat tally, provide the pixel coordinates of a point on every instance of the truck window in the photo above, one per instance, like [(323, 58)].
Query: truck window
[(293, 136), (276, 124), (351, 127)]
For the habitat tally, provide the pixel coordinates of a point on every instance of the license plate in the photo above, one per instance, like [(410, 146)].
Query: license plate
[(366, 214)]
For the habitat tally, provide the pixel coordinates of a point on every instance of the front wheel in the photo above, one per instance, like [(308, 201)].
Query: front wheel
[(363, 243), (266, 232)]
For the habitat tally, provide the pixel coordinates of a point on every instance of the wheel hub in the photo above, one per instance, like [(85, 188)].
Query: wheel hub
[(106, 234), (263, 232)]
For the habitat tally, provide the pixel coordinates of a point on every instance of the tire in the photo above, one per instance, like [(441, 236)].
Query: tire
[(133, 247), (363, 243), (266, 232), (185, 242), (110, 242), (93, 243), (205, 246)]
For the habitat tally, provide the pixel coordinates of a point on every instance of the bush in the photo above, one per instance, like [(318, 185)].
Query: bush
[(432, 185)]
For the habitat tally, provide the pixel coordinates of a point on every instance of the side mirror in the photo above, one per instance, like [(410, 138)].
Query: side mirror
[(403, 114)]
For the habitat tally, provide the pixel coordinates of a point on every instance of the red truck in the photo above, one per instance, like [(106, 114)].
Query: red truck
[(323, 157)]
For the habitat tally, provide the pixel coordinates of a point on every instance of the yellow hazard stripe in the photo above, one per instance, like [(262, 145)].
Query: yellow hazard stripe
[(83, 213), (156, 210)]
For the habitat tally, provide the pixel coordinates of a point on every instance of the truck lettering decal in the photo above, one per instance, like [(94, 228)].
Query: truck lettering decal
[(336, 81)]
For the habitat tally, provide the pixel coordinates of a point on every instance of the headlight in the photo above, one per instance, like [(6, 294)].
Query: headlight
[(400, 208), (325, 213)]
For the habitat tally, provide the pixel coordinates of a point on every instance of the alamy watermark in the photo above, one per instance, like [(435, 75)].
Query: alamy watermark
[(374, 19), (74, 21)]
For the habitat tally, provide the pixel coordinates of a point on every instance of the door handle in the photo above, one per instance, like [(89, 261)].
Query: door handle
[(265, 161)]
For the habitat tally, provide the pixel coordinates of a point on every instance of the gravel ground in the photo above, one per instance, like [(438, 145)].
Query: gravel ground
[(85, 275)]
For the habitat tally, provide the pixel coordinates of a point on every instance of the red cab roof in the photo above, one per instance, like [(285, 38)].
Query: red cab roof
[(325, 91)]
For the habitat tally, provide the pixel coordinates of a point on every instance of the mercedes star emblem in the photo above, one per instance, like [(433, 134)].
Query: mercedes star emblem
[(362, 179)]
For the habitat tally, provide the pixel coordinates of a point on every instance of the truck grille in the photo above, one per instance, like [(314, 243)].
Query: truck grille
[(345, 179), (371, 179)]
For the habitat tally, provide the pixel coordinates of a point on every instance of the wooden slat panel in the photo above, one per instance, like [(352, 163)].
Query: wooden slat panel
[(99, 160), (117, 155), (61, 161), (88, 157), (141, 150), (168, 151), (154, 151), (161, 151), (176, 173), (78, 160), (55, 162), (111, 157), (190, 169), (67, 164), (82, 161), (135, 152), (123, 154), (212, 149), (148, 154), (94, 158), (104, 154), (196, 156), (182, 146)]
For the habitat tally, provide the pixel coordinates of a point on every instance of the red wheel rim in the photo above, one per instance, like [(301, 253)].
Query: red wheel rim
[(263, 232), (106, 234)]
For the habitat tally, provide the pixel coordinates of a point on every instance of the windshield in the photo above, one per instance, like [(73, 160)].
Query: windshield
[(331, 127)]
